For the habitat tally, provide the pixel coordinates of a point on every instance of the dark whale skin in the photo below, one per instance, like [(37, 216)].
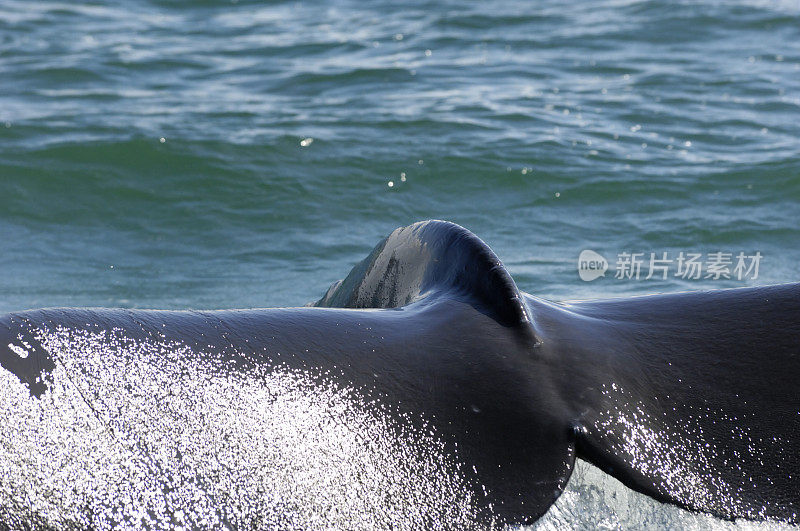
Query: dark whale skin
[(690, 398)]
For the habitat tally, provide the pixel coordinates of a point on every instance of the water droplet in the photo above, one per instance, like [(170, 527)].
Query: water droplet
[(19, 351)]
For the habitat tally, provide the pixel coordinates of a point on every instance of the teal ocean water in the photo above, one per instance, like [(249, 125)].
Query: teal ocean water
[(237, 154)]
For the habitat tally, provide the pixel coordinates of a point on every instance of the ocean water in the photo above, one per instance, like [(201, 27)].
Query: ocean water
[(546, 129), (227, 154)]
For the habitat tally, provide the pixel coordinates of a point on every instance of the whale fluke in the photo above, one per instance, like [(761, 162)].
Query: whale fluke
[(424, 390)]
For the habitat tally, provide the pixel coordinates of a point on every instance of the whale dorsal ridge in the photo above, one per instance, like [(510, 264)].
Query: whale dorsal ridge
[(431, 258)]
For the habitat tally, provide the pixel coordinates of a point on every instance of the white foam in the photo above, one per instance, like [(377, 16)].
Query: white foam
[(133, 435)]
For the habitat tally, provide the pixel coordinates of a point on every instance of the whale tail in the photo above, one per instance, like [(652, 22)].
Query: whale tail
[(690, 398)]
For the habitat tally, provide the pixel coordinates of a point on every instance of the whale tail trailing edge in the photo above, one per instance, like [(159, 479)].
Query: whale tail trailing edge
[(692, 398)]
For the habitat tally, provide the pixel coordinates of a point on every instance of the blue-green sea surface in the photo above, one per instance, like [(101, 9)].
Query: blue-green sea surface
[(216, 154)]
